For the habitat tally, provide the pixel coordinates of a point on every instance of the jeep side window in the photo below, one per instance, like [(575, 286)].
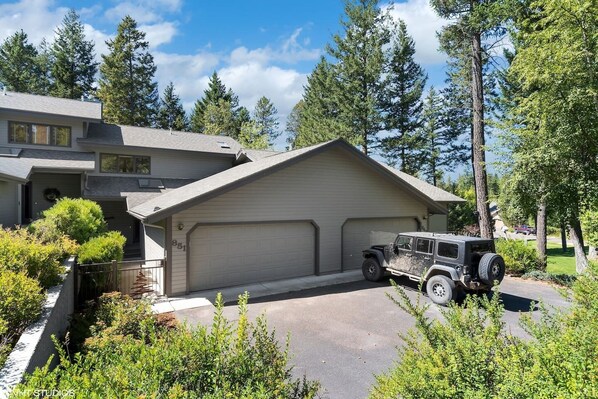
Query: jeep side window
[(424, 246), (404, 243), (448, 250)]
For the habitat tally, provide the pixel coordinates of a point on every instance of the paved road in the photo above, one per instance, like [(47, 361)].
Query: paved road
[(343, 335)]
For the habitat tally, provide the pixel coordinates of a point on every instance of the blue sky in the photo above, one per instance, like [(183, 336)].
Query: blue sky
[(259, 47)]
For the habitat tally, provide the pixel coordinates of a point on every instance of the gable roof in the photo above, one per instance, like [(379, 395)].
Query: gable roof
[(431, 191), (145, 137), (19, 168), (202, 190), (51, 105)]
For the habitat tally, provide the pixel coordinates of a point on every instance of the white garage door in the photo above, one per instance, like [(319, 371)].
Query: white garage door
[(227, 255), (360, 234)]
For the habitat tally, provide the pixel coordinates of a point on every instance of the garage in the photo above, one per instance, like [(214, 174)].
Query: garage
[(228, 254), (359, 234)]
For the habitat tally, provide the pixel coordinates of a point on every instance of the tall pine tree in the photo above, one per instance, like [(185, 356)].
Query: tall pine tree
[(319, 119), (293, 122), (74, 68), (402, 103), (359, 52), (20, 68), (215, 92), (266, 119), (171, 114), (127, 87)]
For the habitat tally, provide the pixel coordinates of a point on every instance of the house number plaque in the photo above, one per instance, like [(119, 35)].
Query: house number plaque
[(179, 245)]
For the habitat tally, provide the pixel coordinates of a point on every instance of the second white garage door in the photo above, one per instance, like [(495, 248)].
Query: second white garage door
[(360, 234), (228, 255)]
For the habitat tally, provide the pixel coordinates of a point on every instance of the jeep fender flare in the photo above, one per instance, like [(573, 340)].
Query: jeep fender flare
[(372, 253), (440, 269)]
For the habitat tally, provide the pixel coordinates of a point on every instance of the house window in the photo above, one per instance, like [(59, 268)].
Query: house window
[(132, 164), (38, 134)]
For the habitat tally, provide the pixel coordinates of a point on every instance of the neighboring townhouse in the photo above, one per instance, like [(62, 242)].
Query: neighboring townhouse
[(220, 215)]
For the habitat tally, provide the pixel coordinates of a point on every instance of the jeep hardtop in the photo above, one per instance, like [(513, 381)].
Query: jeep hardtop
[(448, 264)]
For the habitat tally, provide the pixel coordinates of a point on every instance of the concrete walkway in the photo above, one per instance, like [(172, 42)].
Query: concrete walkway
[(207, 298)]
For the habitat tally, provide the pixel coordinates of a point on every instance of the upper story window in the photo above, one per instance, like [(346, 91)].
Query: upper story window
[(34, 133), (133, 164)]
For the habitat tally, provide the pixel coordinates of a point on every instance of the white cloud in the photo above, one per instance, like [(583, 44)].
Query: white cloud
[(143, 11), (35, 17), (159, 33), (422, 24)]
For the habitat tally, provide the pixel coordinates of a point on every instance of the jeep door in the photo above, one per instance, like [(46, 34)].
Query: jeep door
[(402, 255), (423, 257)]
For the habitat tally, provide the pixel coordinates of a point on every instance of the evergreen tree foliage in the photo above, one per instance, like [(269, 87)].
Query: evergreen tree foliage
[(20, 68), (359, 66), (45, 60), (320, 115), (266, 119), (402, 103), (294, 121), (171, 114), (127, 87), (215, 92), (74, 68), (442, 149), (219, 120), (253, 136)]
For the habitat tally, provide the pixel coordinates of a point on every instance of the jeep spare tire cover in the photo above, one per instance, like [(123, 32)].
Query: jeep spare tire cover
[(491, 268)]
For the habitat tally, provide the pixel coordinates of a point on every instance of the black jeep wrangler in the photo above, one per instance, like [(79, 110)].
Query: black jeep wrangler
[(449, 264)]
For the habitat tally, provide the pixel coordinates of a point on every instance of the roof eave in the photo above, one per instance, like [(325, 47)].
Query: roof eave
[(87, 142)]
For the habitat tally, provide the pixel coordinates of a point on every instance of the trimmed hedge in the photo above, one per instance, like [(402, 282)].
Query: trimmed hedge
[(104, 248), (20, 251), (78, 218), (519, 258)]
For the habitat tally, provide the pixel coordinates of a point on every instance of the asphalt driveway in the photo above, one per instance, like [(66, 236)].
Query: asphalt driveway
[(343, 335)]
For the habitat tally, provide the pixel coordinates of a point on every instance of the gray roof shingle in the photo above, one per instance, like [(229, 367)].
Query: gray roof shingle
[(101, 187), (19, 168), (144, 137), (51, 105), (169, 203)]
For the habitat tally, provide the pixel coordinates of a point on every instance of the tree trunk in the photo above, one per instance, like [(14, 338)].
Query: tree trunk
[(563, 237), (541, 234), (593, 253), (478, 141), (581, 262)]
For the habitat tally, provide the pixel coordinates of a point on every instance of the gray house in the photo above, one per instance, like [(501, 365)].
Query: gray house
[(221, 215)]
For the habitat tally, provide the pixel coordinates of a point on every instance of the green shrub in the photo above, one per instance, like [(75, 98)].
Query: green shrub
[(47, 233), (472, 355), (519, 257), (21, 251), (21, 301), (78, 218), (104, 248), (242, 360), (566, 280)]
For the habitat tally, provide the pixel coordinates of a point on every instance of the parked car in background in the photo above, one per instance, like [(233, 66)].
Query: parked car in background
[(524, 229)]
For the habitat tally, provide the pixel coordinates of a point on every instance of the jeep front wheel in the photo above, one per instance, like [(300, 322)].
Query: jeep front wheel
[(491, 269), (441, 289), (371, 270)]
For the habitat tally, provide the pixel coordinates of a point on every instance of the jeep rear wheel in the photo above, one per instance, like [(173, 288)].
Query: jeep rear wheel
[(441, 289), (491, 269), (371, 270)]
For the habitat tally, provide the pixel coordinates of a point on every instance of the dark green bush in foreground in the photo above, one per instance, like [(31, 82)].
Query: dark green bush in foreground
[(131, 355), (519, 257), (104, 248), (472, 355)]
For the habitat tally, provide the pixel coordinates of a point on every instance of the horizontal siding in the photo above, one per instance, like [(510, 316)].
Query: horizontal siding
[(9, 206), (328, 188), (169, 164), (75, 124)]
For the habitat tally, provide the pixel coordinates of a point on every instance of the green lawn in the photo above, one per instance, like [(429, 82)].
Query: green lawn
[(559, 262)]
